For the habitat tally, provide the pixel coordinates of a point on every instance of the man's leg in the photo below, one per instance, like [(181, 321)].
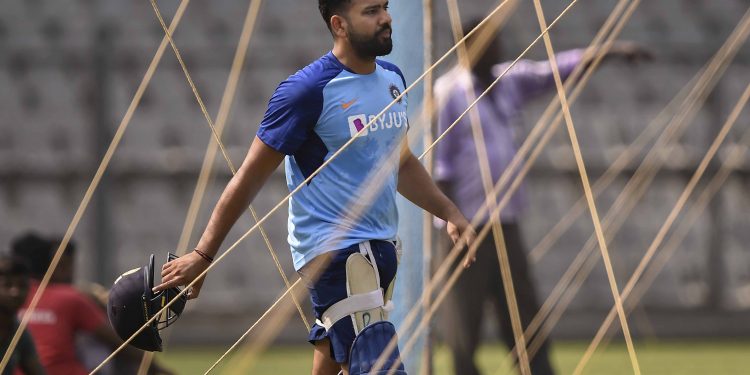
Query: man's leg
[(323, 364), (333, 345), (462, 314), (525, 297)]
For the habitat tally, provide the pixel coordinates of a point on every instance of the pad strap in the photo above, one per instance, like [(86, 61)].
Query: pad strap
[(350, 305), (365, 248)]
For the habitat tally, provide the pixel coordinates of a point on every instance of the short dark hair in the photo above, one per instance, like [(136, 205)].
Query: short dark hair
[(470, 25), (328, 8), (37, 251), (474, 23)]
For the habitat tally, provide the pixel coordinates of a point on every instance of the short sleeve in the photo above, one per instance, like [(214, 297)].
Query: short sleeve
[(447, 94), (445, 151), (86, 315), (292, 113)]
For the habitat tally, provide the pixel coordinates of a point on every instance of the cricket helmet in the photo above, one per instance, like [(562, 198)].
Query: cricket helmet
[(132, 303)]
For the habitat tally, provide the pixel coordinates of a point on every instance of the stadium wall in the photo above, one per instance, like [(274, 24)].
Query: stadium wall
[(70, 68)]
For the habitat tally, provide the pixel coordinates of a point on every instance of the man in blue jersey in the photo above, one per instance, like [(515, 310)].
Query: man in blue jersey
[(349, 207)]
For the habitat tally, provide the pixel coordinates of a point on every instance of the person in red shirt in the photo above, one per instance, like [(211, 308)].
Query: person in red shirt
[(14, 286), (63, 311)]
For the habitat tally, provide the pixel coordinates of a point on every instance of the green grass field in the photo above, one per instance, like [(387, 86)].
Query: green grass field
[(656, 358)]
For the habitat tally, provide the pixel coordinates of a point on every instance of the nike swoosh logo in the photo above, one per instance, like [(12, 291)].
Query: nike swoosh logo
[(349, 104)]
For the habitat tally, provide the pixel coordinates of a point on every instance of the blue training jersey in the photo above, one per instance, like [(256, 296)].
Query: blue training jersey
[(312, 114)]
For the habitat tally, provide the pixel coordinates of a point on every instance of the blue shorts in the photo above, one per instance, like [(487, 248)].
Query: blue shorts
[(330, 288)]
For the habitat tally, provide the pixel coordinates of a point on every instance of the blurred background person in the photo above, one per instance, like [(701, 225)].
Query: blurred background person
[(14, 286), (64, 312), (457, 170), (92, 351)]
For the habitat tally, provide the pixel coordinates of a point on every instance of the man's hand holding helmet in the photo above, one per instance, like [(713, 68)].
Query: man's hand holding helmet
[(137, 313), (182, 271)]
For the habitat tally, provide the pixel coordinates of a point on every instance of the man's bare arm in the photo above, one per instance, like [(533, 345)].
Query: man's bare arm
[(259, 163), (415, 184)]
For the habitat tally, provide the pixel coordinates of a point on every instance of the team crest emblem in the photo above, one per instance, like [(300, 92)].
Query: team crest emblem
[(395, 92)]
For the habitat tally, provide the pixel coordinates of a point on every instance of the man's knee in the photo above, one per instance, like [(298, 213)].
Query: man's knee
[(366, 307), (323, 363)]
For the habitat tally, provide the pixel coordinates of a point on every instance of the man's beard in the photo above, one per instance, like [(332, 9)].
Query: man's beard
[(371, 46)]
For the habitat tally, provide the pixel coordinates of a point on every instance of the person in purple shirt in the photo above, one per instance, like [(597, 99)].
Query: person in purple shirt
[(457, 170)]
